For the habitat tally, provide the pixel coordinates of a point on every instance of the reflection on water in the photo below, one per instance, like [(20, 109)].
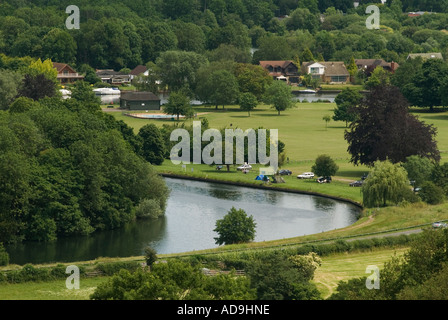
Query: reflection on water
[(191, 215), (310, 97)]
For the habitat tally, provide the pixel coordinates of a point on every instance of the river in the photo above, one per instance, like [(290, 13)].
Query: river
[(190, 218)]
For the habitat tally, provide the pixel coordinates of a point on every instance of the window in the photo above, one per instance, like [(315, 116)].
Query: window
[(314, 70), (338, 78)]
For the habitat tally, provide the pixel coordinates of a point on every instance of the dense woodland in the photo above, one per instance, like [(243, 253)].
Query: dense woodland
[(123, 34)]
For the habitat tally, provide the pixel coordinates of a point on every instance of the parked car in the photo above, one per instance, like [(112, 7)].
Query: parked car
[(244, 167), (439, 225), (285, 172), (324, 179), (306, 175), (356, 183)]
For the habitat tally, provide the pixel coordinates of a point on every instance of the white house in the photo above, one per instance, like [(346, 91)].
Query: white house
[(316, 70)]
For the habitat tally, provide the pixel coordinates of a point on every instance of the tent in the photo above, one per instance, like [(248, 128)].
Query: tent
[(260, 177)]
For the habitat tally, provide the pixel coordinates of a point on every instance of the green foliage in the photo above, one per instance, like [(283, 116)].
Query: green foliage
[(431, 193), (149, 208), (419, 169), (279, 95), (67, 172), (111, 268), (173, 280), (235, 227), (153, 148), (4, 256), (150, 256), (324, 166), (407, 277), (178, 104), (248, 102), (384, 184), (277, 277)]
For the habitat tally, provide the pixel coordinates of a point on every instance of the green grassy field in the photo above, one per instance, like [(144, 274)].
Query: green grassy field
[(343, 267)]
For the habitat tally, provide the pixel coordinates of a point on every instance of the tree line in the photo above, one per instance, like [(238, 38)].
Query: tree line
[(124, 34)]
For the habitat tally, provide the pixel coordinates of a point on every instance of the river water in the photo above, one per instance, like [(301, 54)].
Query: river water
[(190, 218)]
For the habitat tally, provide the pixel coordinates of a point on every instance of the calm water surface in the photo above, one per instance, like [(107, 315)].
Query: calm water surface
[(190, 218)]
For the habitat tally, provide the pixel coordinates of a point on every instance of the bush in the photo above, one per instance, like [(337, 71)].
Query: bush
[(431, 193), (110, 269), (4, 256), (149, 208)]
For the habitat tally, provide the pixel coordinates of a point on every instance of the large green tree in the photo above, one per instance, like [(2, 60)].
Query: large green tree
[(384, 129), (279, 95), (346, 101), (386, 183), (235, 227)]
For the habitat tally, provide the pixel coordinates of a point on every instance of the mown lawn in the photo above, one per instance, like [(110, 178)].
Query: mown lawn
[(51, 290), (346, 266)]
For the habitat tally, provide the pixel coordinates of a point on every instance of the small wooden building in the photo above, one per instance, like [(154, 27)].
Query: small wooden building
[(143, 100)]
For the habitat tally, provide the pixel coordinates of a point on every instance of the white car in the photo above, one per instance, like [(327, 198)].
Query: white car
[(306, 175), (244, 167)]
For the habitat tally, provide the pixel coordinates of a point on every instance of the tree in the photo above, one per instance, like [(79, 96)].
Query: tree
[(248, 102), (178, 104), (431, 193), (153, 147), (419, 169), (150, 256), (174, 280), (279, 277), (9, 85), (428, 84), (252, 78), (223, 88), (327, 119), (325, 166), (82, 92), (379, 77), (235, 227), (384, 129), (279, 95), (37, 87), (178, 69), (352, 68), (346, 101), (385, 183), (59, 46)]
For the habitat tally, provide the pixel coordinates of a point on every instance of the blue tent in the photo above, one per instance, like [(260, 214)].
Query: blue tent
[(260, 177)]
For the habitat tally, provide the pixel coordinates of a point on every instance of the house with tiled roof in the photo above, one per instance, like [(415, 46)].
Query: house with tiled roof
[(139, 70), (66, 74), (331, 72), (371, 64), (284, 70)]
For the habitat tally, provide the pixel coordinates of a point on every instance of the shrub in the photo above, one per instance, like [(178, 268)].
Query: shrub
[(4, 256), (149, 208), (112, 268), (150, 256), (431, 193)]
